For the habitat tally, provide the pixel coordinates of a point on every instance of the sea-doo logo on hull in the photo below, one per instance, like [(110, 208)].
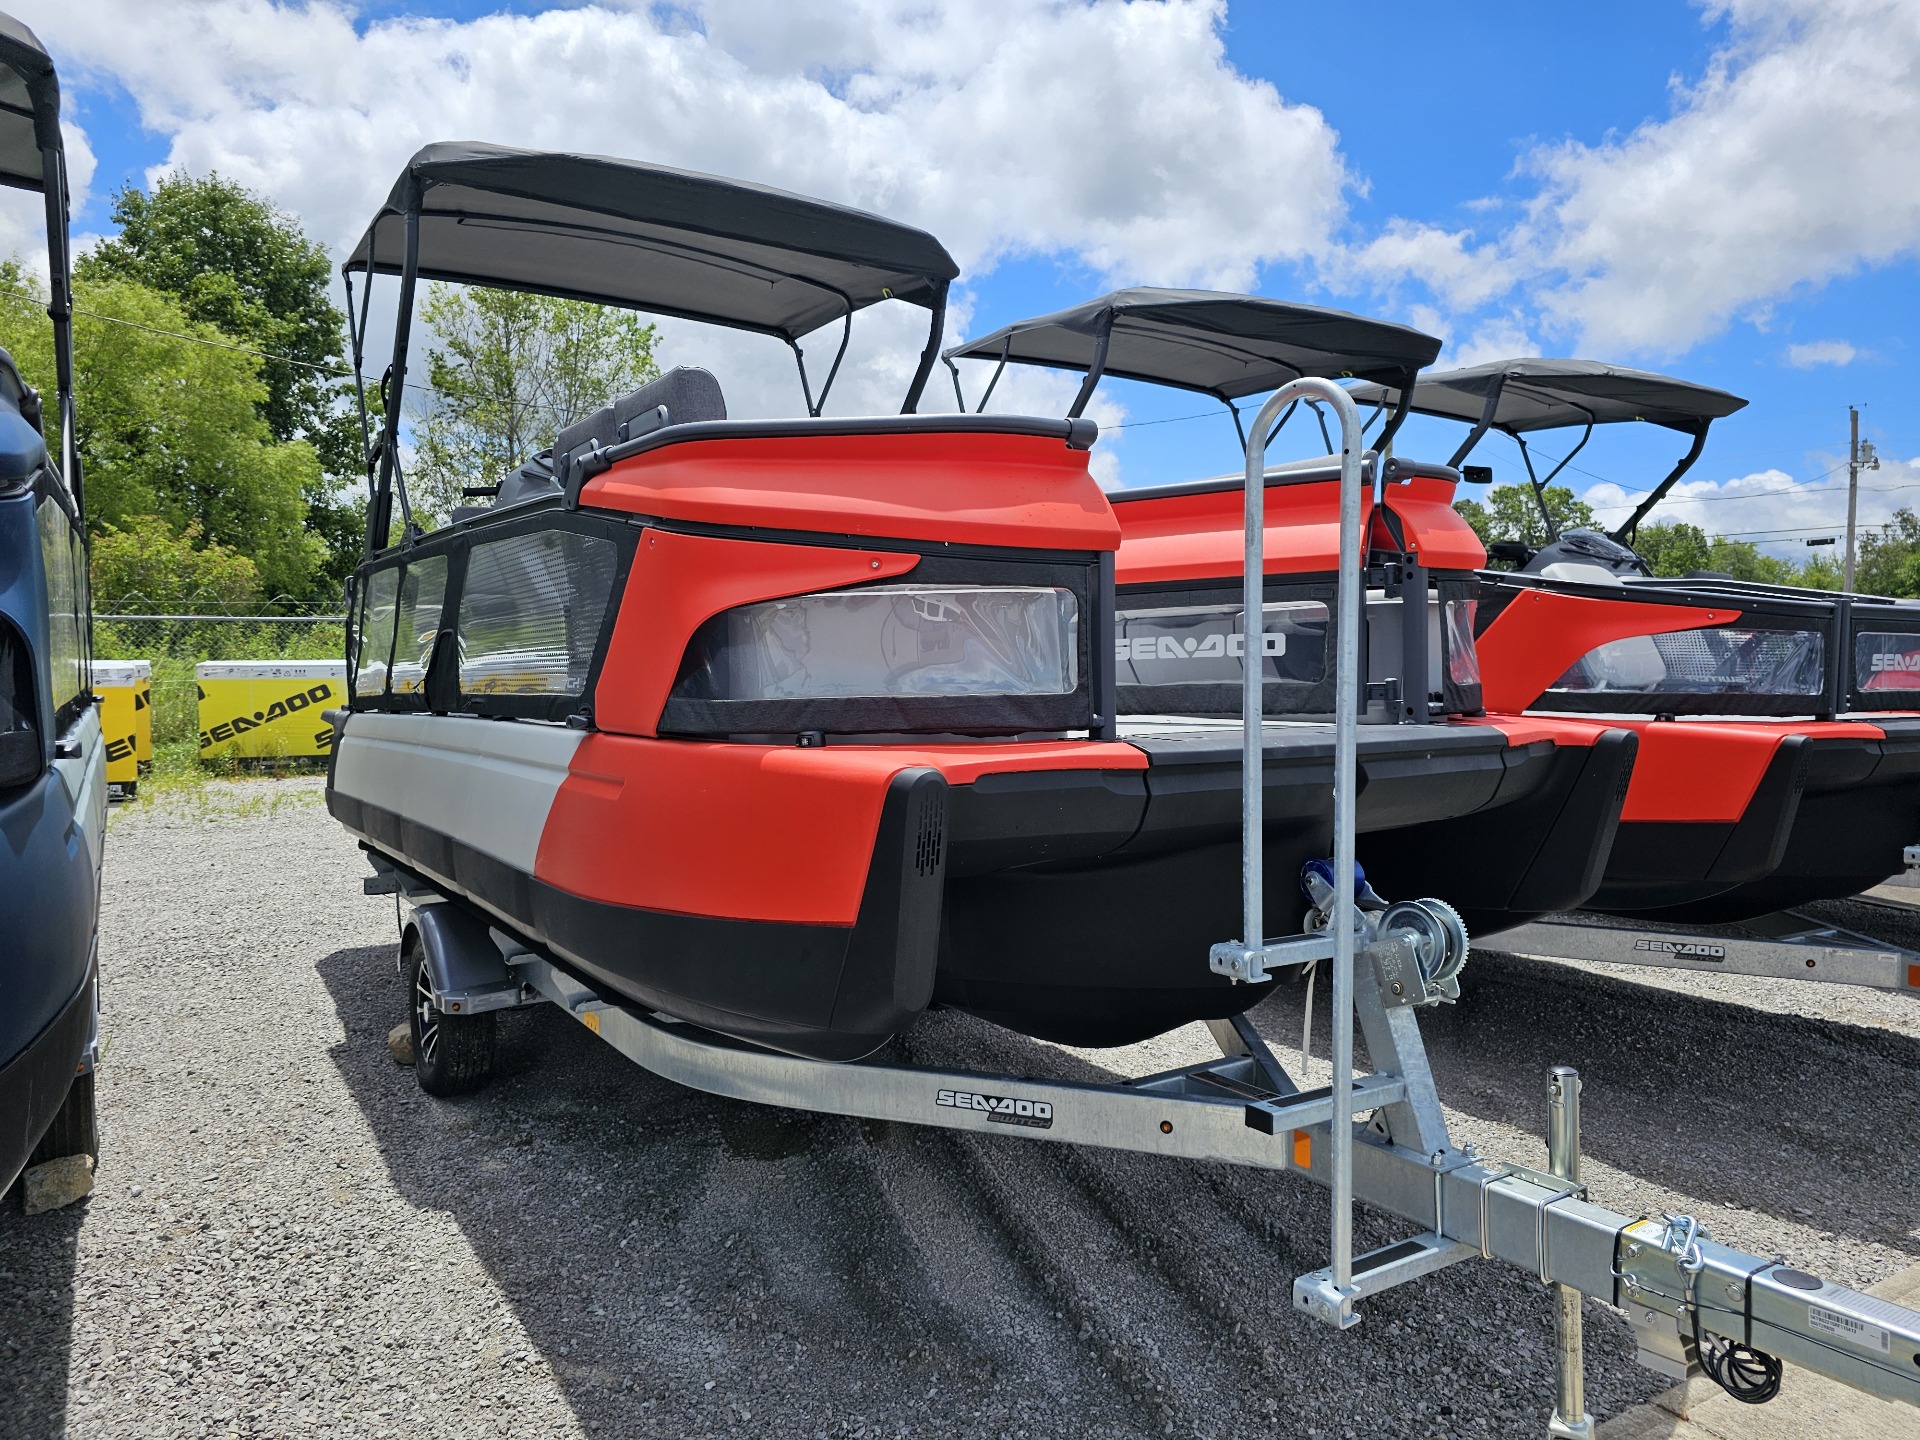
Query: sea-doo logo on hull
[(1909, 660), (1683, 949), (1193, 647), (1000, 1109)]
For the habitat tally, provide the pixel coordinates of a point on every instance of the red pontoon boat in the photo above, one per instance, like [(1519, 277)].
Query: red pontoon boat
[(785, 728), (1535, 835), (1774, 768)]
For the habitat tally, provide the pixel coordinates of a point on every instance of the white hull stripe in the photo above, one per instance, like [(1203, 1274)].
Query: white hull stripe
[(489, 783)]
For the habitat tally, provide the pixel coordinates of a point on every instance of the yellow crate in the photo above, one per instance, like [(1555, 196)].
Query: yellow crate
[(125, 688), (268, 710)]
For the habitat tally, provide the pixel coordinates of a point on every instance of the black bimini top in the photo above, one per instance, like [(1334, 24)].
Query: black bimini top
[(1531, 395), (672, 242), (1218, 343), (29, 107), (1522, 396)]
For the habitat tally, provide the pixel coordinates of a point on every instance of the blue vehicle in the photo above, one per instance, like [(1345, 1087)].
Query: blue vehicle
[(53, 777)]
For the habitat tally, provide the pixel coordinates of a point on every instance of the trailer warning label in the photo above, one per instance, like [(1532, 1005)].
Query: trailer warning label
[(1845, 1327), (1683, 949), (1000, 1109)]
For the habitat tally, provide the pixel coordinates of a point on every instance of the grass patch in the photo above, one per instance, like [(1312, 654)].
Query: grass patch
[(180, 782)]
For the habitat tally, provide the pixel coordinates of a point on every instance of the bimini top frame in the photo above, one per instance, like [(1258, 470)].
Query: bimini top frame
[(1213, 342), (32, 157), (620, 232), (1518, 397)]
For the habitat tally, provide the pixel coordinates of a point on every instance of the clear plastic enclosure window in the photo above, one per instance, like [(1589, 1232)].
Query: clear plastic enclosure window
[(376, 631), (423, 594), (531, 611), (1886, 660), (1463, 657), (1724, 660), (892, 640), (1206, 644), (66, 622)]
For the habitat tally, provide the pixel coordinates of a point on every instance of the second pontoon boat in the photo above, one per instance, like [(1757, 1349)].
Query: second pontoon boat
[(1531, 833)]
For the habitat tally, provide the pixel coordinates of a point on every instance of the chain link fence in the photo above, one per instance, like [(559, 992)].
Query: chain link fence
[(174, 643)]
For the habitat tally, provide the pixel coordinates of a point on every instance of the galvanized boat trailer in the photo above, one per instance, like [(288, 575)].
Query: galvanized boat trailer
[(1786, 945), (1694, 1305)]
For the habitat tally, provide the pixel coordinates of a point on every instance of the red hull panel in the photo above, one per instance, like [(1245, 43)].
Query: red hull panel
[(751, 832), (1542, 634), (1199, 537), (1023, 491)]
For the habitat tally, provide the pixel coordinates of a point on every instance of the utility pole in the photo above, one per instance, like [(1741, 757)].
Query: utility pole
[(1860, 457)]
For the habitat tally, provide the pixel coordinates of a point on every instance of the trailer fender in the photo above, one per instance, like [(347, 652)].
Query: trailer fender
[(462, 962)]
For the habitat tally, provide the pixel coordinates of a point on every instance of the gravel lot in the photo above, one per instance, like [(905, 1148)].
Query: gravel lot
[(288, 1239)]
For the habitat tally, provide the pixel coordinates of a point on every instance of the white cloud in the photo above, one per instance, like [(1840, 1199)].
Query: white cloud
[(1499, 337), (1094, 132), (1770, 507), (1444, 261), (1821, 352), (1790, 163), (23, 213), (963, 119)]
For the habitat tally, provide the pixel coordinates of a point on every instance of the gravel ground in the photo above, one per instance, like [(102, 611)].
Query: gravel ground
[(289, 1239)]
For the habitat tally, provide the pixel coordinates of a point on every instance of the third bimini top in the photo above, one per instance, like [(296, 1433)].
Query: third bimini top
[(1533, 394)]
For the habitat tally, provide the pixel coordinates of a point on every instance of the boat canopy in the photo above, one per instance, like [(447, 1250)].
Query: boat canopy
[(33, 157), (673, 242), (29, 107), (1218, 343), (1519, 397), (646, 237)]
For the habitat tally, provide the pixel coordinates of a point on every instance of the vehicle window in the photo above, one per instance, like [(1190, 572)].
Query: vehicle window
[(1722, 660), (531, 611), (423, 593), (376, 631), (66, 660), (19, 744)]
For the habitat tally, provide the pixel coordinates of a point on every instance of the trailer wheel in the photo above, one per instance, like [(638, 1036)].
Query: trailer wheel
[(73, 1131), (452, 1054)]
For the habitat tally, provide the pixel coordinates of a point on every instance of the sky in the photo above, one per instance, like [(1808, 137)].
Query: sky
[(1727, 191)]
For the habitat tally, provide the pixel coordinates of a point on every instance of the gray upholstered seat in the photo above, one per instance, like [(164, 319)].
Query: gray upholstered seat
[(689, 395)]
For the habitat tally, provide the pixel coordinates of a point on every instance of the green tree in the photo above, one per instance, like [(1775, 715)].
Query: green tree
[(234, 261), (1821, 571), (508, 371), (1888, 562), (150, 567), (170, 426), (1743, 560), (1510, 513), (1673, 548)]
